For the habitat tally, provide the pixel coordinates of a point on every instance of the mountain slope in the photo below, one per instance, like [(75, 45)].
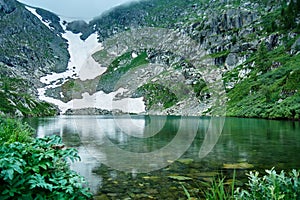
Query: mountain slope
[(253, 45), (28, 50), (184, 57)]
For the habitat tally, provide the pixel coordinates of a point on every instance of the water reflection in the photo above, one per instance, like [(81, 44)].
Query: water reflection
[(155, 142)]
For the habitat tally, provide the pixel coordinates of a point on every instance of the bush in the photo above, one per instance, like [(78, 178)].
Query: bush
[(271, 186), (39, 170)]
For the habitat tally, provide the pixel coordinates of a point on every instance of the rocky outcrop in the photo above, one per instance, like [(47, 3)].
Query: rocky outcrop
[(295, 47), (7, 8), (88, 111), (80, 26), (27, 46), (52, 19), (93, 111)]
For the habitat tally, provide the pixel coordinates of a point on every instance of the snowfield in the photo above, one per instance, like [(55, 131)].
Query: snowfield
[(82, 66)]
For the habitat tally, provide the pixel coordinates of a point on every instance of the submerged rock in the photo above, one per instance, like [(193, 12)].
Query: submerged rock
[(208, 174), (186, 161), (243, 165), (180, 178), (101, 197)]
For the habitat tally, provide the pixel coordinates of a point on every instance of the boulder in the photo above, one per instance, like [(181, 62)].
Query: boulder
[(231, 61)]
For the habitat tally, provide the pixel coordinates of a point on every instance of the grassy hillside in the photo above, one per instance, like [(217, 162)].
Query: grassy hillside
[(271, 89), (15, 99)]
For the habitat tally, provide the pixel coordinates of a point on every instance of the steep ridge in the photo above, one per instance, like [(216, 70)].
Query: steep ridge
[(28, 50)]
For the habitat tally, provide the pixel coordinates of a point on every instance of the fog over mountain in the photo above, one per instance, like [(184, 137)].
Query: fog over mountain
[(77, 9)]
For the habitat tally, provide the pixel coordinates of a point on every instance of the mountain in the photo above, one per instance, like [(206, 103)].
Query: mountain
[(249, 47), (28, 50), (189, 57)]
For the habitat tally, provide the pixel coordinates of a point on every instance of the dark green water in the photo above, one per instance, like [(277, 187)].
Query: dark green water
[(142, 157)]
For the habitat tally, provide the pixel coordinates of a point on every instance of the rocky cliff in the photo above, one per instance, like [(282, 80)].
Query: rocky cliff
[(250, 48), (28, 50)]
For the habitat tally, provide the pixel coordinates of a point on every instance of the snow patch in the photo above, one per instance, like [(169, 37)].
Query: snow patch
[(99, 100), (82, 66), (81, 61)]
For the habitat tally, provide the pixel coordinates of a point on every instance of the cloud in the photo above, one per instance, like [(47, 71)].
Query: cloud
[(77, 9)]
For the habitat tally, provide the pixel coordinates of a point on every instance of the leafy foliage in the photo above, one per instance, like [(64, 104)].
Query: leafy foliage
[(271, 186), (36, 168), (39, 170)]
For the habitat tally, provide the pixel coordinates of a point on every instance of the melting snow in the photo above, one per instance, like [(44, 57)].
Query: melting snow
[(84, 67), (98, 100)]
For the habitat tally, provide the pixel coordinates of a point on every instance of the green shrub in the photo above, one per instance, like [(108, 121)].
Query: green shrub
[(12, 130), (271, 186), (39, 170)]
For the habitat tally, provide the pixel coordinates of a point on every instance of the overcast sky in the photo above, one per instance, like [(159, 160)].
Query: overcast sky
[(77, 9)]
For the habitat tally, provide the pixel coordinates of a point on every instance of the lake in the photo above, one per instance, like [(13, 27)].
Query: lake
[(153, 157)]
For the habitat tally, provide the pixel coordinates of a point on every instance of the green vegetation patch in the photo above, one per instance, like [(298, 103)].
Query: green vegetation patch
[(271, 90), (12, 130), (200, 89), (14, 99), (272, 185), (36, 168), (156, 94), (118, 68)]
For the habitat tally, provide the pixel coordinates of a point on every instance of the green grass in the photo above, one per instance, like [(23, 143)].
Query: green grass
[(12, 130), (218, 190), (115, 71)]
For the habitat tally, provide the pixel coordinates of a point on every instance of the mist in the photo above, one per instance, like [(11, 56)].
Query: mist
[(76, 9)]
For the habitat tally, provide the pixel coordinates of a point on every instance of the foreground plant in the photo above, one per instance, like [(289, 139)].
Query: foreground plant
[(219, 190), (39, 170), (271, 186)]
